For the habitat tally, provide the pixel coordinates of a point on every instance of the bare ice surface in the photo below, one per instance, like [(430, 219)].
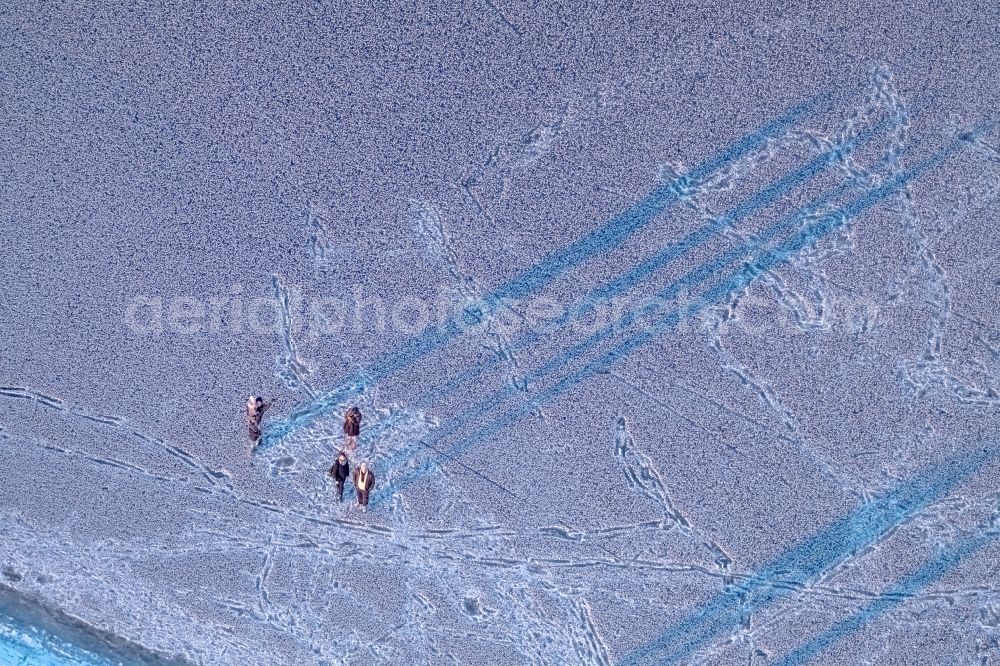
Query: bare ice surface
[(674, 329)]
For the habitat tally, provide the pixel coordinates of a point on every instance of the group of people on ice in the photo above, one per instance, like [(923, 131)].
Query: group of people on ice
[(363, 477)]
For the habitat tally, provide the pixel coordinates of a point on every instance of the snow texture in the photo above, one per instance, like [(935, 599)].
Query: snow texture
[(673, 327)]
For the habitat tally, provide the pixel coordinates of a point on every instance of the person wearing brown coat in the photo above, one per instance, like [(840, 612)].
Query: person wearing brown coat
[(352, 427), (340, 472), (364, 483)]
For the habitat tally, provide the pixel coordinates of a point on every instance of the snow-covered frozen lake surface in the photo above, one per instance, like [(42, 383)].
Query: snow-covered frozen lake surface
[(674, 331)]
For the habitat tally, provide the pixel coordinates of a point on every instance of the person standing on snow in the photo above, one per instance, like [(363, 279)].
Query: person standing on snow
[(251, 415), (352, 427), (340, 472), (255, 411), (364, 483)]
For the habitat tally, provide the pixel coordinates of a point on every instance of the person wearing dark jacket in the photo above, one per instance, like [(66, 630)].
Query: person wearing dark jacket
[(340, 472), (364, 483), (352, 427), (255, 411)]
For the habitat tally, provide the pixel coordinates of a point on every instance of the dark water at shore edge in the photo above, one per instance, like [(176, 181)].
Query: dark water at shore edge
[(25, 610)]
